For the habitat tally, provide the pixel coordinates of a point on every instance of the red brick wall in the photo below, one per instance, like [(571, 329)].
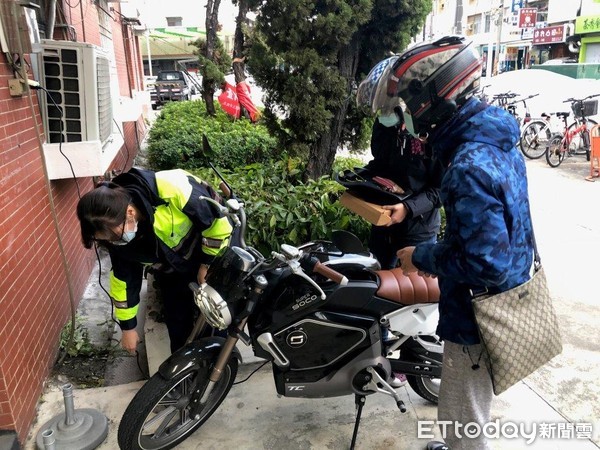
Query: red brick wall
[(35, 300), (34, 294)]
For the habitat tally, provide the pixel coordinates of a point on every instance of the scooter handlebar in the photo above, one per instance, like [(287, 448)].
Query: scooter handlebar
[(330, 273)]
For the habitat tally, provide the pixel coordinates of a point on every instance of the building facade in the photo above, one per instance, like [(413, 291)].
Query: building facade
[(85, 121), (520, 33)]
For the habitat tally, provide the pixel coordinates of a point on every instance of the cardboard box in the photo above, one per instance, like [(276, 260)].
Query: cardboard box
[(371, 212)]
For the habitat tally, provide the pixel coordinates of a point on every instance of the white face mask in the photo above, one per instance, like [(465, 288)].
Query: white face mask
[(389, 120)]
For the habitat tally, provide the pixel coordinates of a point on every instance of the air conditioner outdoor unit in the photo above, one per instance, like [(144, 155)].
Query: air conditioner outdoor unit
[(78, 103)]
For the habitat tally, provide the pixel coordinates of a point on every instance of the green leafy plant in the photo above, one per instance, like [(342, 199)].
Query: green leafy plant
[(175, 139), (283, 209), (80, 344)]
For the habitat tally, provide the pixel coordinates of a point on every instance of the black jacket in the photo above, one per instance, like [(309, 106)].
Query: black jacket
[(403, 159), (180, 232)]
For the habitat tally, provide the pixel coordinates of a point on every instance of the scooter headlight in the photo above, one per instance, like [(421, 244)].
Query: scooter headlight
[(213, 307)]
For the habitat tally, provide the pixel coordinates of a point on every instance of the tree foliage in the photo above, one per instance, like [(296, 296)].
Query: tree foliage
[(212, 70), (309, 55)]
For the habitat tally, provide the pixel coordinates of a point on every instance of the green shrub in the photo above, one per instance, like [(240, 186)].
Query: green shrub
[(347, 162), (281, 209), (79, 344), (175, 139)]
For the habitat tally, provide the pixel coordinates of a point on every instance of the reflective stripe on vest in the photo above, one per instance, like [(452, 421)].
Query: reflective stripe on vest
[(118, 294), (216, 237)]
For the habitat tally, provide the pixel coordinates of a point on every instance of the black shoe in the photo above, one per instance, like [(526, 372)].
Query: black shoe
[(437, 445)]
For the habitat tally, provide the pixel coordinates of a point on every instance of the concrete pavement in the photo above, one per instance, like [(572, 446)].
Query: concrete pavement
[(562, 398)]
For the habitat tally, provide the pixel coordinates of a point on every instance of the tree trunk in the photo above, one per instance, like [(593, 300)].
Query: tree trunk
[(322, 153), (211, 23), (238, 42), (238, 48)]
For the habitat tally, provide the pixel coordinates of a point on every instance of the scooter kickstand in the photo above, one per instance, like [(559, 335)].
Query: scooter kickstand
[(359, 401)]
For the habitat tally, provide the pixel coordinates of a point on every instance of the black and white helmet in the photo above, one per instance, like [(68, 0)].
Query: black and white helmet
[(432, 80)]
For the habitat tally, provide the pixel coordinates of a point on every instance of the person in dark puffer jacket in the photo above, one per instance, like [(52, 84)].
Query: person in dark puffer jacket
[(404, 160), (488, 240)]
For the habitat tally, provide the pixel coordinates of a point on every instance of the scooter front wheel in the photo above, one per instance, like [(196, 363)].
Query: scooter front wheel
[(164, 413)]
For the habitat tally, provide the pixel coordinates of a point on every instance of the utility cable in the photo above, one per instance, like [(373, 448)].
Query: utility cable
[(251, 373), (61, 129), (125, 142), (63, 255)]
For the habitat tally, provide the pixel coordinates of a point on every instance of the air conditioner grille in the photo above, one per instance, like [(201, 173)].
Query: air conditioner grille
[(77, 106), (61, 73), (104, 100)]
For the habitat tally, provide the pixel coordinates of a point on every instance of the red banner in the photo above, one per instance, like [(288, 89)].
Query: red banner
[(243, 93), (549, 35), (229, 101), (527, 17)]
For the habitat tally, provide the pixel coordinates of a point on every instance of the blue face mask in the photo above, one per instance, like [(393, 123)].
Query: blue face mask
[(127, 236), (410, 127), (389, 120)]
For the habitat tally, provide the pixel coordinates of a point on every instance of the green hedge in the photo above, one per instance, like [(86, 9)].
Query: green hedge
[(281, 209), (175, 139)]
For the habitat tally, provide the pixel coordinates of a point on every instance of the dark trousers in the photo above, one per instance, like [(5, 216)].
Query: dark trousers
[(179, 308)]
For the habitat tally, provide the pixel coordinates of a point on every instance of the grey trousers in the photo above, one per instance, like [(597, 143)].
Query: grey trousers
[(465, 396)]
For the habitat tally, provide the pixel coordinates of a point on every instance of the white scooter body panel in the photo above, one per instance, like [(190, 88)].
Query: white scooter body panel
[(414, 320)]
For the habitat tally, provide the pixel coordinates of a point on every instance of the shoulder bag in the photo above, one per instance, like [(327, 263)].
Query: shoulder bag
[(518, 329)]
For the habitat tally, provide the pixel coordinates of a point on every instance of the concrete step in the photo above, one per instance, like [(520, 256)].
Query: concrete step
[(156, 337)]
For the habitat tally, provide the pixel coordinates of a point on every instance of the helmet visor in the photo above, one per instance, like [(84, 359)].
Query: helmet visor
[(382, 102), (367, 89)]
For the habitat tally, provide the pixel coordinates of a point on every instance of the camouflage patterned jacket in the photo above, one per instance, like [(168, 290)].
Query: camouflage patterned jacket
[(488, 236)]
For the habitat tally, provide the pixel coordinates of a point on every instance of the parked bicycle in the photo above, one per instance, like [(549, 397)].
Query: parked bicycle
[(536, 136), (502, 99), (482, 95), (575, 139), (512, 108)]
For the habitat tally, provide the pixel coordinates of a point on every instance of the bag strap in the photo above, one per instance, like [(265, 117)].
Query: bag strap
[(537, 261)]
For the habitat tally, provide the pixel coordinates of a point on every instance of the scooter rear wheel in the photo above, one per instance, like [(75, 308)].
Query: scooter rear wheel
[(426, 387), (159, 416)]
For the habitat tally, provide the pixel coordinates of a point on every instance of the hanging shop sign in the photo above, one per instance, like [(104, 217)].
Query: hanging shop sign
[(587, 24), (527, 17), (549, 35), (516, 4)]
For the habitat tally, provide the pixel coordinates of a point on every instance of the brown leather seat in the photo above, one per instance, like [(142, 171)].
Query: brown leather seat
[(407, 289)]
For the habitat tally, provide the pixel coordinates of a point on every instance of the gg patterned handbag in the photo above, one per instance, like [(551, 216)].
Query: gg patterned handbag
[(518, 329)]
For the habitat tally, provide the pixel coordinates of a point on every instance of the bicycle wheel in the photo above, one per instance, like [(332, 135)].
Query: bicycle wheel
[(555, 153), (535, 138), (580, 143)]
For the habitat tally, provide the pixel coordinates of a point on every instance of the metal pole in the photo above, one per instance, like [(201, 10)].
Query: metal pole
[(490, 52), (499, 37), (49, 441), (69, 404), (148, 51)]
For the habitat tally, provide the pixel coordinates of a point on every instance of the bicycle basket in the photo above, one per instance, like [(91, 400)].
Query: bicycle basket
[(589, 108)]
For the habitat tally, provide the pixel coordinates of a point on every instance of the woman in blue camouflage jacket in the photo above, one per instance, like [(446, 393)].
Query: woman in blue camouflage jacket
[(488, 237)]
